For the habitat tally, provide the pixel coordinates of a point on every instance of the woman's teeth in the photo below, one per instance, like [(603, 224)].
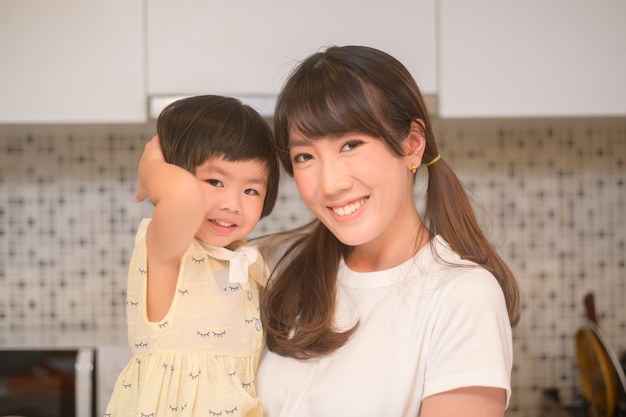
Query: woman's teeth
[(349, 209)]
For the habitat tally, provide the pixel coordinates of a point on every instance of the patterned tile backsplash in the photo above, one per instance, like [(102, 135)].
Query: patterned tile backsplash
[(551, 193)]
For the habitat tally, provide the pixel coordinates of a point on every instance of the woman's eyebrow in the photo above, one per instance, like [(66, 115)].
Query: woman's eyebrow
[(298, 142)]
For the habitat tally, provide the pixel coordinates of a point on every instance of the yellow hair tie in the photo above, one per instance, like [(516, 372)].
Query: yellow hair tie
[(435, 159)]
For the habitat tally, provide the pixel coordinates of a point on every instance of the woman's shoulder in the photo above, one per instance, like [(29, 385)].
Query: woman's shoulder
[(461, 278)]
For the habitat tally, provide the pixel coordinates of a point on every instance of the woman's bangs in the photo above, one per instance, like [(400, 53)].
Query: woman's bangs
[(332, 109)]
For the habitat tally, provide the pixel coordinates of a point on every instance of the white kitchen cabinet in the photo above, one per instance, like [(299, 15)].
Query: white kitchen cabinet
[(532, 58), (246, 48), (72, 61)]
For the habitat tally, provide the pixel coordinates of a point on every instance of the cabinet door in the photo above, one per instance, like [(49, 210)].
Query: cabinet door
[(246, 48), (72, 61), (532, 58)]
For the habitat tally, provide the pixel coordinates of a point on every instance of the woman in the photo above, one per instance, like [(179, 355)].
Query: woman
[(375, 310)]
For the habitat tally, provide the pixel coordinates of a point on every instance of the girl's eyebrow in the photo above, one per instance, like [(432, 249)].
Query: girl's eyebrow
[(255, 180), (259, 181)]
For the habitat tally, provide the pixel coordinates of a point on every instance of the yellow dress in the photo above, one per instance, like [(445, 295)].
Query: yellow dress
[(201, 359)]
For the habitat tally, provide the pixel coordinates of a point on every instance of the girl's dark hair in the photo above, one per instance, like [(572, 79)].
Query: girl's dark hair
[(194, 129), (341, 90)]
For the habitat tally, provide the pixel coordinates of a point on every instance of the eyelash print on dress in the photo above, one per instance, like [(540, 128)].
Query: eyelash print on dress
[(141, 344), (219, 413), (182, 292), (194, 376), (211, 333), (230, 288), (178, 407), (198, 261)]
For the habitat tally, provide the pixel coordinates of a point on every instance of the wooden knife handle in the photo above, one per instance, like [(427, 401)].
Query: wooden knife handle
[(590, 307)]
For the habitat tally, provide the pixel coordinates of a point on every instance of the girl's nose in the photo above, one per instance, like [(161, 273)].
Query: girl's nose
[(230, 200)]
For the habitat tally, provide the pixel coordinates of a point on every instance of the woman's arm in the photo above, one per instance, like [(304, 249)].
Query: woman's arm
[(471, 352), (466, 402)]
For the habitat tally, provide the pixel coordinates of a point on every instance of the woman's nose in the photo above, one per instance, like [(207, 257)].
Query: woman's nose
[(334, 177)]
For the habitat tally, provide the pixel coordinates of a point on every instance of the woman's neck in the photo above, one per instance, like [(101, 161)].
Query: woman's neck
[(390, 250)]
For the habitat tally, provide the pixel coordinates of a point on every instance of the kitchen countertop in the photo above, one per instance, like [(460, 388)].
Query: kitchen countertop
[(45, 338)]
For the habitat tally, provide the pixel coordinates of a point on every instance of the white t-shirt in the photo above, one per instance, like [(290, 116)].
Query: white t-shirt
[(425, 327)]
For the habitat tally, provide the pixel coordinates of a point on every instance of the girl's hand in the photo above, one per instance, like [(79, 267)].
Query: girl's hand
[(151, 152)]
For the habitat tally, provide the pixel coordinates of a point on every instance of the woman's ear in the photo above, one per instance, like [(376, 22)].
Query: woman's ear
[(416, 142)]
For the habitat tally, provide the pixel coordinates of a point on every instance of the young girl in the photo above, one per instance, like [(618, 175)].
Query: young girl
[(193, 283), (376, 310)]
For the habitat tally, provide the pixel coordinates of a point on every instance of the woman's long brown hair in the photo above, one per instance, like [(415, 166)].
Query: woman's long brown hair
[(341, 90)]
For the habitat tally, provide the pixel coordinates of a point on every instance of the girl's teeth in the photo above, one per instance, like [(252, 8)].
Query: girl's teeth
[(221, 223)]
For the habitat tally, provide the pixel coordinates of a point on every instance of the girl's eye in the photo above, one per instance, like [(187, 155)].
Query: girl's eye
[(215, 183), (251, 191), (351, 145), (302, 157)]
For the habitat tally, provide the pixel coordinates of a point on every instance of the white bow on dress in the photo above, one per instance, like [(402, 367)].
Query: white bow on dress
[(239, 260)]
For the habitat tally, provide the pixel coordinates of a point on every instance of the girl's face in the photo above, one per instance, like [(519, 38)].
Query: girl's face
[(356, 186), (235, 192)]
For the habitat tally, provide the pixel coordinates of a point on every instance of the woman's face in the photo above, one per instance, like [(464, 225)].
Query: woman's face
[(355, 185)]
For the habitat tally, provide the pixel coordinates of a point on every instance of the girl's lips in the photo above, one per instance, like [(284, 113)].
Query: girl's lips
[(349, 208)]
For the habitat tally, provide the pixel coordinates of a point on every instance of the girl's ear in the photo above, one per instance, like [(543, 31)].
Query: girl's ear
[(416, 142)]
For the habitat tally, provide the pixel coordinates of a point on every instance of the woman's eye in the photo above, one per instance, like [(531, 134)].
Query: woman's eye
[(215, 183), (302, 157), (351, 145)]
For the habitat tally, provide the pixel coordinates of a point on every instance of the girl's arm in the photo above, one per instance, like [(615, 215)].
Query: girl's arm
[(179, 209), (466, 402)]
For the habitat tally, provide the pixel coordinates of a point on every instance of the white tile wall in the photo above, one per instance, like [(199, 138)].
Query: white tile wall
[(553, 200)]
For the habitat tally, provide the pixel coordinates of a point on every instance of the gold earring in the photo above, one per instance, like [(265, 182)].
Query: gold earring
[(413, 168)]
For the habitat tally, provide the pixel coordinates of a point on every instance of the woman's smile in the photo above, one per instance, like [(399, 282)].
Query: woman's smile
[(349, 208)]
